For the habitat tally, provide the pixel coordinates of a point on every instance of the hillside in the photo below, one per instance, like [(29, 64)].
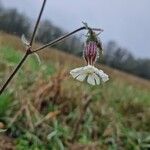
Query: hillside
[(50, 54), (44, 108)]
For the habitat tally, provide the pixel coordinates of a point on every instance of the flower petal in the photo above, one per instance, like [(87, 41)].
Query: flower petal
[(91, 79), (81, 77), (94, 75), (103, 76), (97, 79), (76, 72), (77, 69)]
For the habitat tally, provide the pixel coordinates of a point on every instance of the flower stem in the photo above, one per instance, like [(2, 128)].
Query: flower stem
[(14, 72), (37, 23), (28, 51), (62, 38)]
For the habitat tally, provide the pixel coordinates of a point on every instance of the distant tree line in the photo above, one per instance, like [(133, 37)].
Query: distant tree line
[(11, 21), (48, 32), (122, 59)]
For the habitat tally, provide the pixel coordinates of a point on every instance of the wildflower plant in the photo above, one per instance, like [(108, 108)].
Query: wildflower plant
[(90, 53)]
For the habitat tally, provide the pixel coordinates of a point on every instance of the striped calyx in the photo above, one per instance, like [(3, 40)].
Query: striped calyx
[(90, 52)]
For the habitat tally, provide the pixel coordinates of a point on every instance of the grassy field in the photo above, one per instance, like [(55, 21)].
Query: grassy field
[(45, 109)]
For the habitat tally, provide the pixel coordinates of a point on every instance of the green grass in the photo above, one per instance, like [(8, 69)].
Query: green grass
[(118, 116), (5, 102)]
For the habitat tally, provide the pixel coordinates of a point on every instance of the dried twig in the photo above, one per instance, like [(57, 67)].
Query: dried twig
[(37, 23), (18, 113), (28, 51), (64, 37), (79, 121), (29, 118)]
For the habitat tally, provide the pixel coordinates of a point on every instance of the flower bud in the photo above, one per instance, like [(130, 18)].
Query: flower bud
[(90, 52)]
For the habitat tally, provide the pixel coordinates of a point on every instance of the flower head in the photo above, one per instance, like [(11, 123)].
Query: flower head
[(89, 73)]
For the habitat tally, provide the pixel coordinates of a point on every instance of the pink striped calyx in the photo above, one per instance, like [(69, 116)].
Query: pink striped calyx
[(90, 52)]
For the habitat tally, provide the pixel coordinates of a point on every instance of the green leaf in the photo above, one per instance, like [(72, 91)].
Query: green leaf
[(51, 135), (3, 130)]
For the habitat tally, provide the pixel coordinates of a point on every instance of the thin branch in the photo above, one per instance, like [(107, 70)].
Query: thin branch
[(58, 39), (14, 72), (28, 51), (37, 23), (63, 37)]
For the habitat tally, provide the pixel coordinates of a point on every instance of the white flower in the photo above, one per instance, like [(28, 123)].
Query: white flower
[(89, 73)]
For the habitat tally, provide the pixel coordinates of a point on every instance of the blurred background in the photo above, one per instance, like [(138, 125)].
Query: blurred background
[(114, 120), (126, 27)]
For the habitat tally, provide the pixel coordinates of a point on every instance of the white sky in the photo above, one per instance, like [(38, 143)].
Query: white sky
[(125, 21)]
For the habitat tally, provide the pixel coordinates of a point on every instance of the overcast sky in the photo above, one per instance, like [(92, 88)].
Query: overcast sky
[(125, 21)]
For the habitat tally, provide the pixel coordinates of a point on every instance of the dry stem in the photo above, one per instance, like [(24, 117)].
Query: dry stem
[(79, 121)]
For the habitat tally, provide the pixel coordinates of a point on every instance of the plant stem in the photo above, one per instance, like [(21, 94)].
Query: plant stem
[(37, 23), (14, 72), (28, 51), (62, 38)]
